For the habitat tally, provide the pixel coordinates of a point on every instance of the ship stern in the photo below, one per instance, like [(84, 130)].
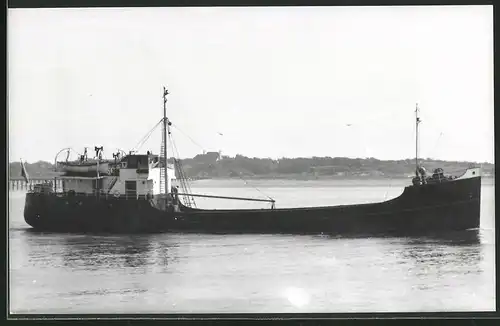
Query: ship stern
[(34, 210)]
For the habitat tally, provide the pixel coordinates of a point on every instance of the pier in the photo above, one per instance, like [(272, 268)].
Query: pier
[(21, 184)]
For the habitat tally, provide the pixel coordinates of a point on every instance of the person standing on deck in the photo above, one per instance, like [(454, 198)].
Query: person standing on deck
[(175, 198), (423, 174)]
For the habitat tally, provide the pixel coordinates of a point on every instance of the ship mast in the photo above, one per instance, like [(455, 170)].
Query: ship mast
[(417, 121), (165, 93)]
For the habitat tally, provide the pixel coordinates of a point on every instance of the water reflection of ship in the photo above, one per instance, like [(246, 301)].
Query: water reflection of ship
[(435, 251), (457, 238), (459, 253), (114, 252)]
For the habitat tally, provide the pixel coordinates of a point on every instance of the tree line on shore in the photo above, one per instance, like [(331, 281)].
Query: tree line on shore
[(212, 165)]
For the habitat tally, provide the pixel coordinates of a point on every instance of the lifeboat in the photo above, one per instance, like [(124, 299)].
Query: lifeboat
[(89, 166)]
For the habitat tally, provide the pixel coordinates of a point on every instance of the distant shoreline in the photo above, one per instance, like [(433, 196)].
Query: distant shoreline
[(322, 178), (214, 166), (271, 178)]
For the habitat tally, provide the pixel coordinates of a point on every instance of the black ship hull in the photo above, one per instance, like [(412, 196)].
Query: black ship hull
[(419, 210)]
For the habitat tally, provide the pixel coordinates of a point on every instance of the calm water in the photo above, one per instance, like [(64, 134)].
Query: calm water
[(183, 273)]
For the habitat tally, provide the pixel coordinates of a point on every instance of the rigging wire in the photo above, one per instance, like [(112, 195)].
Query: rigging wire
[(146, 137), (189, 200), (246, 182), (192, 140), (197, 144), (436, 145), (184, 182)]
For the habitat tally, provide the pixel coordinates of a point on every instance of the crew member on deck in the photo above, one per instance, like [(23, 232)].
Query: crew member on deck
[(169, 203), (175, 198), (423, 173)]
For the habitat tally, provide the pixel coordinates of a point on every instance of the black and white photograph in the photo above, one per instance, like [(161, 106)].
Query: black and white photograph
[(250, 160)]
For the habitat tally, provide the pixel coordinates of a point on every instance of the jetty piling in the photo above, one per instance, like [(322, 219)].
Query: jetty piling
[(16, 184)]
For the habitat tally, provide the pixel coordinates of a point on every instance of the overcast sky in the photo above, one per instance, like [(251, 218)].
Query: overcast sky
[(276, 82)]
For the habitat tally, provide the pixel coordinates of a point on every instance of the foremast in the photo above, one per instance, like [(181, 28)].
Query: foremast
[(417, 121)]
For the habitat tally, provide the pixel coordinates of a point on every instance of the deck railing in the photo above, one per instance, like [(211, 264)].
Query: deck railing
[(102, 193), (55, 187)]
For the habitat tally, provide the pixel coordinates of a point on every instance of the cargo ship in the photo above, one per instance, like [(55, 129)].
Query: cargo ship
[(134, 193)]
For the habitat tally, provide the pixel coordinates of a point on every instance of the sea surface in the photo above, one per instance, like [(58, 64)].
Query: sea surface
[(198, 273)]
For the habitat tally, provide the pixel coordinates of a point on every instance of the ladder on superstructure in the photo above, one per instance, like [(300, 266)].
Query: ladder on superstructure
[(112, 184)]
